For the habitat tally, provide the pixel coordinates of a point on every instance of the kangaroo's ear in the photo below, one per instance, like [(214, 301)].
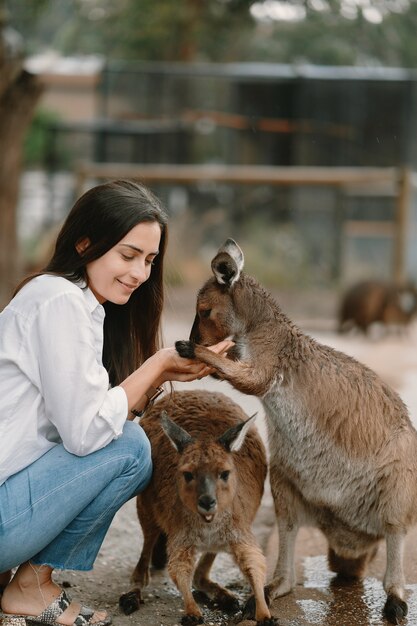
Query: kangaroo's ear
[(234, 437), (228, 263), (177, 435)]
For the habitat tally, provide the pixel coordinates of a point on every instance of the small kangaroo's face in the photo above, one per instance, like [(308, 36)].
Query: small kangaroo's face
[(206, 476), (215, 317), (206, 480)]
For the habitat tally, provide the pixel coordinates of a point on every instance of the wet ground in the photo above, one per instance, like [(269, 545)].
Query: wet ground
[(318, 598)]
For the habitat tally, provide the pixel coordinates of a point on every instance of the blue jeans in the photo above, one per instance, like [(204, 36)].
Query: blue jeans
[(57, 511)]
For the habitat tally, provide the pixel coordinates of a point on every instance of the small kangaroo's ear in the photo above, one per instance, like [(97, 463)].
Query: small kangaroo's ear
[(228, 263), (177, 435), (234, 437)]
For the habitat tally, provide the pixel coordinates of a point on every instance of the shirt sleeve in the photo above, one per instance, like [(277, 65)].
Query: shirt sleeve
[(72, 381)]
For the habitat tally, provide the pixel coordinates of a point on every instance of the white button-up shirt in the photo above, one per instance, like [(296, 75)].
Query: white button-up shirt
[(53, 385)]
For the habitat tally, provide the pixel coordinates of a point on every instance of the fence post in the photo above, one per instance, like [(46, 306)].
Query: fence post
[(401, 222)]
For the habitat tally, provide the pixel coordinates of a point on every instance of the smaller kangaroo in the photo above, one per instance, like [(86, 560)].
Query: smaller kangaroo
[(373, 301), (208, 480), (343, 452)]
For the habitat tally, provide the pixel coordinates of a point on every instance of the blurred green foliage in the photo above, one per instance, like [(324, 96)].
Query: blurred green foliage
[(328, 32), (36, 142)]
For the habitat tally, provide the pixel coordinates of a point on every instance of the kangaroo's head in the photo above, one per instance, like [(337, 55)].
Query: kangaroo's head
[(407, 301), (206, 476), (216, 315)]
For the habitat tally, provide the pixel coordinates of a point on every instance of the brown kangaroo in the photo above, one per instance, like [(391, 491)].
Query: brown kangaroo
[(207, 484), (373, 301), (343, 452)]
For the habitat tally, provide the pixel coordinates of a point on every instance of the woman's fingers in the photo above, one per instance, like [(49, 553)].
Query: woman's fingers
[(222, 346)]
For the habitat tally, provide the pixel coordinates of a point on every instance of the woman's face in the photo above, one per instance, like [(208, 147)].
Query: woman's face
[(122, 269)]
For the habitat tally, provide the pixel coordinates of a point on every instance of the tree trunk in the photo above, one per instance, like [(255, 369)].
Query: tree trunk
[(19, 93)]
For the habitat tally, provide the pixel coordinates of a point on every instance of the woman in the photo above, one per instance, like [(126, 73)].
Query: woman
[(80, 355)]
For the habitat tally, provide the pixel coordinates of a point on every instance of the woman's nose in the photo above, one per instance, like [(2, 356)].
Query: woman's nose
[(139, 271)]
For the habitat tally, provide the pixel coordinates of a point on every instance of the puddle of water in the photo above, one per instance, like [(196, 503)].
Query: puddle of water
[(357, 604), (315, 611)]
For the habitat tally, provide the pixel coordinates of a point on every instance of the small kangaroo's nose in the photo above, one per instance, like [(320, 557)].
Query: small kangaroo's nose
[(208, 503)]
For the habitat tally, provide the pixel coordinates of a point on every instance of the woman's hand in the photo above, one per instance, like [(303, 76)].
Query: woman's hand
[(175, 368)]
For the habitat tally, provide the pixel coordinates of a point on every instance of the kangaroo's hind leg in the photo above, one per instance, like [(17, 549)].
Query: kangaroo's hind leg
[(288, 507), (395, 607)]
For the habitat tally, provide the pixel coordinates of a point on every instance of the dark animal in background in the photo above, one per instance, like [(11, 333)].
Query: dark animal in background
[(343, 451), (373, 301), (208, 480)]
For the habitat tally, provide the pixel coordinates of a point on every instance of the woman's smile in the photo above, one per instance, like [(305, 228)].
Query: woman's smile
[(127, 285)]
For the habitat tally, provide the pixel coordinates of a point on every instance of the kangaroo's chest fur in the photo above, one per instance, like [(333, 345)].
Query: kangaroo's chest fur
[(214, 537), (331, 483)]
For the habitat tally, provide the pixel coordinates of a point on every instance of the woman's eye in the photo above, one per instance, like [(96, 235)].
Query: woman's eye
[(150, 262), (126, 257)]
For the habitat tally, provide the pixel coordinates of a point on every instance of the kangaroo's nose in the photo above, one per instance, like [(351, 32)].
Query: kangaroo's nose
[(208, 503)]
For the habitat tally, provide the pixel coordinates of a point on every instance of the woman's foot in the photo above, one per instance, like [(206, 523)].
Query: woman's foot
[(32, 590)]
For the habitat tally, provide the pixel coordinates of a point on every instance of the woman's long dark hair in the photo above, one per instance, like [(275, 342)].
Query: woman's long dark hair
[(105, 214)]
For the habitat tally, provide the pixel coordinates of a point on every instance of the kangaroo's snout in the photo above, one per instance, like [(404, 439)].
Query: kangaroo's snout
[(207, 504), (206, 498)]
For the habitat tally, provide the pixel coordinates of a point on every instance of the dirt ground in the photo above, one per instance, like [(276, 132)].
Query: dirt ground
[(317, 600)]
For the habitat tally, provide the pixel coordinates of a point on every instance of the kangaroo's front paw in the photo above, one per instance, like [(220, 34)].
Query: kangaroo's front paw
[(395, 609), (186, 349), (129, 602), (269, 621)]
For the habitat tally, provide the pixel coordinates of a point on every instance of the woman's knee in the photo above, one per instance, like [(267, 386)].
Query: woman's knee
[(136, 447), (135, 438)]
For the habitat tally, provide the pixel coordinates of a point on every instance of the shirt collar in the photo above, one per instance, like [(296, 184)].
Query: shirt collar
[(90, 299)]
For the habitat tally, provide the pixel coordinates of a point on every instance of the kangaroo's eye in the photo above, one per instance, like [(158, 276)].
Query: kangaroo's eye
[(204, 313), (224, 475), (188, 476)]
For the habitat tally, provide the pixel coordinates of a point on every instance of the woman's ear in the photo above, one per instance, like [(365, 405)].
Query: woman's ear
[(82, 245)]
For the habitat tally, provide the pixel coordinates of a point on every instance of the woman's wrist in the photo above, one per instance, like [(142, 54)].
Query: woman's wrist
[(160, 368), (151, 394)]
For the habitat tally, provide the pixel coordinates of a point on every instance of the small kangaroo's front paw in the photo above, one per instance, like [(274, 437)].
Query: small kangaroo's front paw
[(186, 349), (395, 609)]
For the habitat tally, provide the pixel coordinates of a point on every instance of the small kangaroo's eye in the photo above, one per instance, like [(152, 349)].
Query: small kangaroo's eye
[(188, 476), (224, 475), (204, 313)]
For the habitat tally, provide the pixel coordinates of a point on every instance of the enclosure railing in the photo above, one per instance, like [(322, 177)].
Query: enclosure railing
[(394, 180)]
